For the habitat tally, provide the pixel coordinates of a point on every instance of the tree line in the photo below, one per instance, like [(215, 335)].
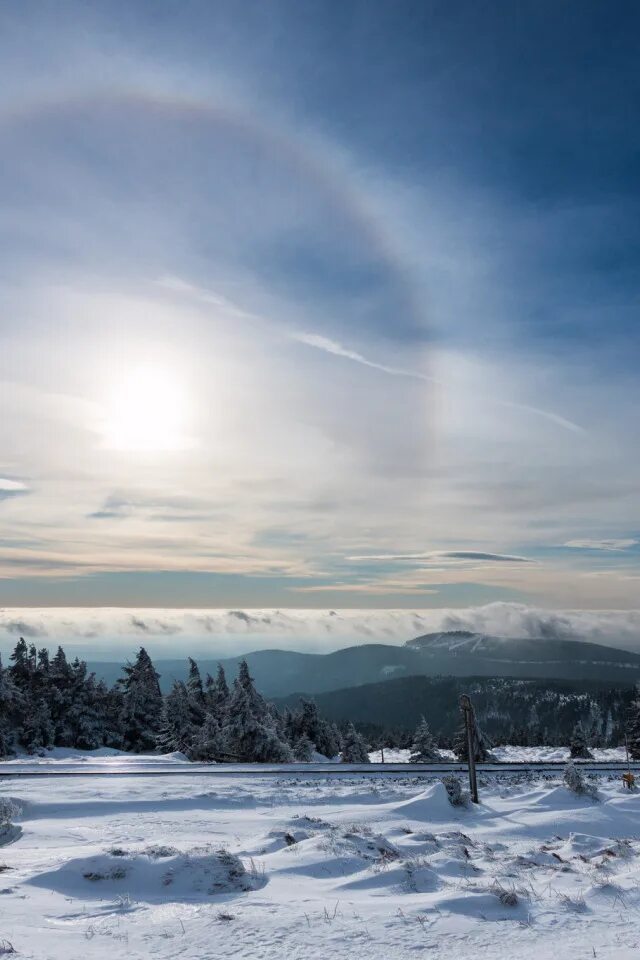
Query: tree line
[(53, 702)]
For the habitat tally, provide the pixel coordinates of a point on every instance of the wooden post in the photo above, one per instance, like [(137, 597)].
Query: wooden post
[(467, 710), (382, 751)]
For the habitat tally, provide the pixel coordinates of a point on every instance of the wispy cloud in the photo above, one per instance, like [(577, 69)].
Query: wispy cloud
[(331, 346), (475, 555), (611, 543), (327, 345), (115, 633), (12, 488)]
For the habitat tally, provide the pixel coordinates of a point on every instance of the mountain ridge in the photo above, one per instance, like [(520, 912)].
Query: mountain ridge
[(447, 653)]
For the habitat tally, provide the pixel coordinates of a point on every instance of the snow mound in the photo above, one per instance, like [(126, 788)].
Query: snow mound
[(411, 876), (589, 847), (560, 798), (153, 874), (485, 906), (433, 804), (9, 833)]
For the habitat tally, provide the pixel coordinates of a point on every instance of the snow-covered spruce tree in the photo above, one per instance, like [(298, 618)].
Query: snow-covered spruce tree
[(141, 704), (245, 680), (177, 731), (481, 744), (247, 732), (85, 717), (61, 694), (303, 749), (307, 722), (574, 780), (354, 748), (578, 747), (36, 729), (22, 667), (209, 743), (216, 695), (632, 729), (196, 693), (423, 748), (9, 712)]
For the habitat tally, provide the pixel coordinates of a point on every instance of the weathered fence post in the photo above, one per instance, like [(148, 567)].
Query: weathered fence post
[(467, 710)]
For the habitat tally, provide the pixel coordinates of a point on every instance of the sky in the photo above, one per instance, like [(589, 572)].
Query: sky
[(319, 305)]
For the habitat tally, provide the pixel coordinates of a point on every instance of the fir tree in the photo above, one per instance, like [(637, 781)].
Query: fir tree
[(36, 729), (303, 749), (177, 731), (20, 666), (217, 695), (85, 716), (111, 701), (423, 748), (61, 692), (141, 704), (354, 749), (248, 732), (194, 684), (9, 711), (632, 730), (578, 747), (209, 743), (307, 722)]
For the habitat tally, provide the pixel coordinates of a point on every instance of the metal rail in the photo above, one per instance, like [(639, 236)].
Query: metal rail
[(60, 769)]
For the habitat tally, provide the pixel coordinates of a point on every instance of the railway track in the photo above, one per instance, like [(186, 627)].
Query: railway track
[(79, 769)]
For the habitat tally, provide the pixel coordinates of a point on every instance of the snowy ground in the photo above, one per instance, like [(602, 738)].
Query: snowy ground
[(510, 754), (108, 756), (340, 867)]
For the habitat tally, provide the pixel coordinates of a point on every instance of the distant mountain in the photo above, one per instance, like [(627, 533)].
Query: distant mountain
[(279, 672), (452, 653), (479, 653), (543, 711)]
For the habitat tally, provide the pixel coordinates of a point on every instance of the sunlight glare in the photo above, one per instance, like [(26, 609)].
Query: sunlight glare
[(147, 411)]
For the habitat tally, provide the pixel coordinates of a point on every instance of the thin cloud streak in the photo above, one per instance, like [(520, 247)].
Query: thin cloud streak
[(604, 544), (327, 345), (446, 554)]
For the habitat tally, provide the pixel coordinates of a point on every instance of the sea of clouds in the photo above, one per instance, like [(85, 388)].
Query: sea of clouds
[(111, 633)]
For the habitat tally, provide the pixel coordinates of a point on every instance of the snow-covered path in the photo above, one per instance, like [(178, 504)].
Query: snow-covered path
[(328, 868)]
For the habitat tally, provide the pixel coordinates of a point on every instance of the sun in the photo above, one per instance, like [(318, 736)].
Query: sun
[(147, 410)]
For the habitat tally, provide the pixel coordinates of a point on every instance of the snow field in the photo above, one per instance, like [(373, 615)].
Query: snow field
[(294, 867)]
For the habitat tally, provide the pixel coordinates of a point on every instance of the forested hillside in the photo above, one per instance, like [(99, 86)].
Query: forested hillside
[(528, 712), (279, 673)]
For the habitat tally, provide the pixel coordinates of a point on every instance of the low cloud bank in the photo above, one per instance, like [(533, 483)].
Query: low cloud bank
[(105, 633)]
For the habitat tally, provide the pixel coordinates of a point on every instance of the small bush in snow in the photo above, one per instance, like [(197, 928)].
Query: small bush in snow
[(8, 810), (455, 793), (576, 903), (574, 780)]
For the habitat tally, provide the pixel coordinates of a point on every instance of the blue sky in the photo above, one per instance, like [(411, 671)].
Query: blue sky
[(318, 304)]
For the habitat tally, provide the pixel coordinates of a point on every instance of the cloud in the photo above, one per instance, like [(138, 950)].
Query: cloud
[(327, 345), (12, 488), (612, 543), (112, 634), (319, 342), (447, 555)]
